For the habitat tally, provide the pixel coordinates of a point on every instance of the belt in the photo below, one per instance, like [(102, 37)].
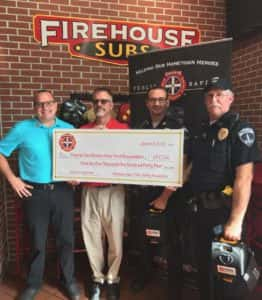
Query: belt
[(211, 200), (208, 200), (45, 186), (103, 186)]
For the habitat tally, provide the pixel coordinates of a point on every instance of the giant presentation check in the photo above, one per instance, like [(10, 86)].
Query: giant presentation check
[(144, 157)]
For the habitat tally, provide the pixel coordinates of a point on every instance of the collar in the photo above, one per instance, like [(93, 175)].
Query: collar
[(39, 124), (228, 120), (109, 124), (161, 124)]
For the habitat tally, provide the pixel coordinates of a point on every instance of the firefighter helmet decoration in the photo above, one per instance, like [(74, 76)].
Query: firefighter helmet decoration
[(124, 113), (73, 111)]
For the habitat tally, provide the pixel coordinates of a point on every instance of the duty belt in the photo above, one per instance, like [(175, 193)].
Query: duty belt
[(208, 200)]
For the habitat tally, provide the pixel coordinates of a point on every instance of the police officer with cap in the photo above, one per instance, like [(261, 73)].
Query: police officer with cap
[(223, 155)]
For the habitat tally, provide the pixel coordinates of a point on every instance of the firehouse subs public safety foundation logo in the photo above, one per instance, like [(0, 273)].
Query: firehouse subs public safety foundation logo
[(175, 84), (67, 142)]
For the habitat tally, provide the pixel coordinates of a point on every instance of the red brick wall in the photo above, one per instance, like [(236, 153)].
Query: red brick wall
[(25, 67), (3, 234), (247, 80)]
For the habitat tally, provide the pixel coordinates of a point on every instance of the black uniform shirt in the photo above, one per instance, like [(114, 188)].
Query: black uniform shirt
[(154, 191), (167, 124), (218, 149)]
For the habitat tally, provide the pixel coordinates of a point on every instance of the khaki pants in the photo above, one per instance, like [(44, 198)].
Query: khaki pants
[(102, 215)]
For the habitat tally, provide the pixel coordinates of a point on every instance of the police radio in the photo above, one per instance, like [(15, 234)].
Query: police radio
[(234, 266)]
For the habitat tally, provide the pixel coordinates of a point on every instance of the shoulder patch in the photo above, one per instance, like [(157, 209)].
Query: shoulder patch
[(247, 136)]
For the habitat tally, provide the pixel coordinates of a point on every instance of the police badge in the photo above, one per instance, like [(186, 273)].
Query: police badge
[(222, 134)]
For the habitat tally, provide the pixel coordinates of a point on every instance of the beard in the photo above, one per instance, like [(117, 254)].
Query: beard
[(100, 112)]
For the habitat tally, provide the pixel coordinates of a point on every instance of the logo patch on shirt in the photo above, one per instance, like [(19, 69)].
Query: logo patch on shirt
[(247, 136)]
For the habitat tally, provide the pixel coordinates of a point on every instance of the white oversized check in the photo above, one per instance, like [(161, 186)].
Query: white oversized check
[(144, 157)]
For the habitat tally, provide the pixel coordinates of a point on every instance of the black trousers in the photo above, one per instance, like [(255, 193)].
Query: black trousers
[(43, 207), (137, 240), (205, 221), (180, 243), (175, 225), (174, 259), (210, 288)]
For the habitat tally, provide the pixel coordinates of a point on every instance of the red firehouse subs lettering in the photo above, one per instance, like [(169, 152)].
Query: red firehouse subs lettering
[(109, 41)]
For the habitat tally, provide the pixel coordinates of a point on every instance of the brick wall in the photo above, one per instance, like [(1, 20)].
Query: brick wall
[(247, 80), (3, 235), (25, 66), (3, 227)]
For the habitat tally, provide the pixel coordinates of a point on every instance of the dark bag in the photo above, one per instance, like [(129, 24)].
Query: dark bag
[(234, 267), (155, 226)]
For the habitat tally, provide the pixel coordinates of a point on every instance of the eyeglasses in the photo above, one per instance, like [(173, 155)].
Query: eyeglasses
[(155, 100), (46, 103), (102, 101), (211, 95)]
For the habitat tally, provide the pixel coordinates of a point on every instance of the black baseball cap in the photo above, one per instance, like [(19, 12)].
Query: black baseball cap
[(221, 84)]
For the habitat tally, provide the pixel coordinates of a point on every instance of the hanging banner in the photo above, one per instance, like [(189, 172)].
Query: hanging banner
[(184, 72), (109, 41)]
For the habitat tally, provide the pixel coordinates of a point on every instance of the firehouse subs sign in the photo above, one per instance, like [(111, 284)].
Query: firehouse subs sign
[(109, 41), (146, 157)]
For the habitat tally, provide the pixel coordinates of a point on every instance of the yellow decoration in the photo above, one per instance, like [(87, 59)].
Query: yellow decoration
[(89, 115)]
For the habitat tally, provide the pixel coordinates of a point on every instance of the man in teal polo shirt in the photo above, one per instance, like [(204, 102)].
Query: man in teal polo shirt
[(45, 200)]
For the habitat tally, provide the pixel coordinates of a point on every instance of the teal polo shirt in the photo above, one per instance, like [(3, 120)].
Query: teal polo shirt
[(33, 141)]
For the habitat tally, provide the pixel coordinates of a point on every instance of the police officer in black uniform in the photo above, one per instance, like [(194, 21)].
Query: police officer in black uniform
[(158, 198), (222, 154)]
